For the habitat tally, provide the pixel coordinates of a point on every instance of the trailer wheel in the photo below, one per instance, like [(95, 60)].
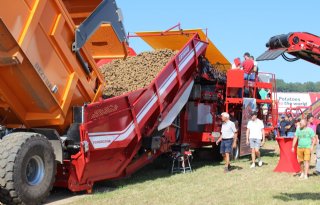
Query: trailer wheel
[(27, 168), (236, 152)]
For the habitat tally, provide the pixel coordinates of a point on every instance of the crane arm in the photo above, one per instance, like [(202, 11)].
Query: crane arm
[(300, 45), (106, 12)]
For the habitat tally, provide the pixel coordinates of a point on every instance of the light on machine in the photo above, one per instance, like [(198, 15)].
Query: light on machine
[(296, 40)]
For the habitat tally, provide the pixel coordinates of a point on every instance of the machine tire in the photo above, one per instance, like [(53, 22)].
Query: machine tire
[(236, 152), (27, 168)]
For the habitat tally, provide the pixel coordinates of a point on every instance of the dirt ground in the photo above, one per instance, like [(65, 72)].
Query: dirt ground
[(63, 196), (59, 196)]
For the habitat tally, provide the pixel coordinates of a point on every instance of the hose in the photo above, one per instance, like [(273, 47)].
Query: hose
[(289, 59)]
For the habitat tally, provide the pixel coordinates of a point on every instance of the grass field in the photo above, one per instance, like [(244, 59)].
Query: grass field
[(207, 184)]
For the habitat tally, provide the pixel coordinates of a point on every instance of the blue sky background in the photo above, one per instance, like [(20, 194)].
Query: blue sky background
[(234, 26)]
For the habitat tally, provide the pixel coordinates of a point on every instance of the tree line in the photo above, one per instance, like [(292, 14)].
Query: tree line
[(282, 86)]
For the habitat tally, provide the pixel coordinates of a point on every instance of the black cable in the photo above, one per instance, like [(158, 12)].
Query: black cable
[(289, 59)]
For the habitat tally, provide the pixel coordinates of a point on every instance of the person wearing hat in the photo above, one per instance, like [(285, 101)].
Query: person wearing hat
[(228, 138), (283, 125), (255, 137)]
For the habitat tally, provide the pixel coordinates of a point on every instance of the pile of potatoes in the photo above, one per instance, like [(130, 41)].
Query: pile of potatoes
[(134, 72)]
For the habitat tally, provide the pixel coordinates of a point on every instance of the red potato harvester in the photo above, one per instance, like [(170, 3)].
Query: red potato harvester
[(57, 130)]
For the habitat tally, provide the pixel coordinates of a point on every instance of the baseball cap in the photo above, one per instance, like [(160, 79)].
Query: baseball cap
[(283, 116)]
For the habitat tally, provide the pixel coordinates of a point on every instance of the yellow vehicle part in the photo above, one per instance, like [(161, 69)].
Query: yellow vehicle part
[(177, 38)]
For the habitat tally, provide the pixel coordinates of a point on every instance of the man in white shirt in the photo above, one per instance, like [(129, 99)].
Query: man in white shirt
[(255, 133), (228, 137)]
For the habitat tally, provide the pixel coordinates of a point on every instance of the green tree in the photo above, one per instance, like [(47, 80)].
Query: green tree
[(282, 86)]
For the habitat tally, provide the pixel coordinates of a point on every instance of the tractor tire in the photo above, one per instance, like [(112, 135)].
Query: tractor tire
[(27, 168)]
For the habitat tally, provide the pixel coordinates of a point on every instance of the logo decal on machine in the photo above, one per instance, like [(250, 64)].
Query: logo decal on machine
[(104, 139)]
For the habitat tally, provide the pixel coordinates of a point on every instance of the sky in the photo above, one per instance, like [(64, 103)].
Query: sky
[(234, 26)]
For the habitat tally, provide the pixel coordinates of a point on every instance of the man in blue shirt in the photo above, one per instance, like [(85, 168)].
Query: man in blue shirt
[(283, 125)]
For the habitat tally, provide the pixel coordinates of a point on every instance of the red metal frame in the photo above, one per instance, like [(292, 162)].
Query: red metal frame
[(235, 81), (115, 127), (295, 111), (198, 139), (210, 132), (307, 47), (207, 134), (302, 45), (301, 111)]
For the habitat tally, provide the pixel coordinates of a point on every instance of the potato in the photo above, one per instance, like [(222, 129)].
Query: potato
[(135, 72)]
